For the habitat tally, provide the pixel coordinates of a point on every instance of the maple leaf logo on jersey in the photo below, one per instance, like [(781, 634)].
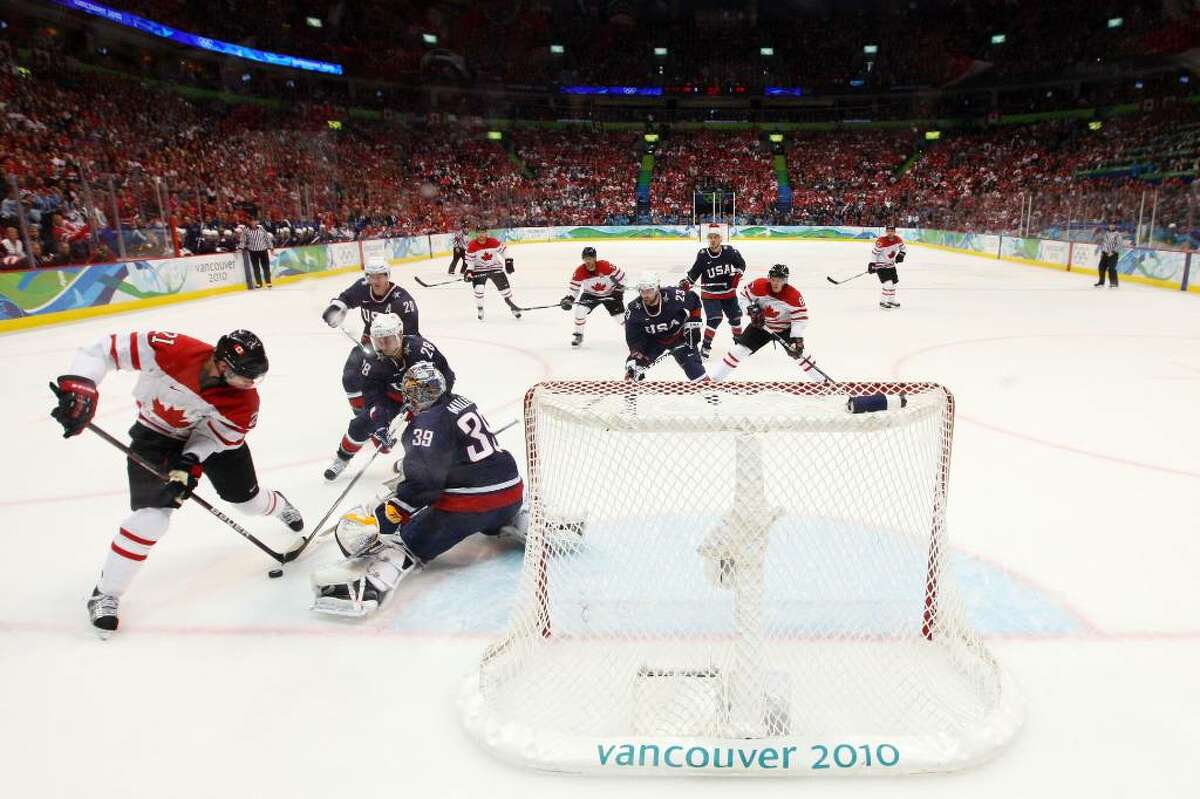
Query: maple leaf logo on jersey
[(172, 416), (770, 312), (597, 287), (487, 256)]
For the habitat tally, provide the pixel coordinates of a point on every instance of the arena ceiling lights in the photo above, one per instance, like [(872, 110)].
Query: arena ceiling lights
[(199, 42)]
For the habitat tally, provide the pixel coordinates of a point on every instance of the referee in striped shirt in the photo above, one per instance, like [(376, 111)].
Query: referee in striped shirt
[(258, 242), (1110, 253)]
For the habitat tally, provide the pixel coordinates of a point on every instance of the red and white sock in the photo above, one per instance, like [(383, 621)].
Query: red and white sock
[(889, 292), (130, 548), (730, 362)]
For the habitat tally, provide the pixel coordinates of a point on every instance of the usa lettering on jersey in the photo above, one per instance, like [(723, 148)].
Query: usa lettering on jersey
[(395, 300), (718, 274)]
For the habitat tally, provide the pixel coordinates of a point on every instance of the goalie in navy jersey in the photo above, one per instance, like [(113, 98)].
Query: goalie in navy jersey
[(718, 269), (394, 352), (372, 295), (661, 320), (456, 481)]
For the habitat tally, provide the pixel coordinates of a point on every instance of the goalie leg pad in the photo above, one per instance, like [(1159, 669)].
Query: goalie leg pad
[(360, 586)]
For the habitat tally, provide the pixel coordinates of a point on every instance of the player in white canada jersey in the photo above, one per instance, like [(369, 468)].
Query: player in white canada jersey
[(196, 403), (889, 251), (777, 313), (487, 259), (594, 283)]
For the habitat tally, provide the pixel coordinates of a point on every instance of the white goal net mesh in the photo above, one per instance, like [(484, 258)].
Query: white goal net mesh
[(715, 564)]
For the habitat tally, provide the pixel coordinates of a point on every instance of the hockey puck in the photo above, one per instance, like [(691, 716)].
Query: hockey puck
[(275, 573)]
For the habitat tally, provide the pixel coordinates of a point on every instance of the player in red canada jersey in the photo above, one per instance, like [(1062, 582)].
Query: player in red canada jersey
[(777, 313), (196, 403), (594, 283), (487, 259), (888, 251)]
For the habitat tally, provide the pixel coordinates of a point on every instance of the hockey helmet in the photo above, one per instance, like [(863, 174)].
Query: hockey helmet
[(243, 353), (778, 270), (713, 230), (376, 266), (646, 281), (386, 326), (589, 252)]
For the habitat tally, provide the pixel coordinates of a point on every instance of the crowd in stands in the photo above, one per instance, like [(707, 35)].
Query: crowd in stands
[(109, 167), (733, 162)]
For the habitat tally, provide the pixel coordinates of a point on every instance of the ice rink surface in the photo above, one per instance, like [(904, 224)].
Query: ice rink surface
[(1073, 505)]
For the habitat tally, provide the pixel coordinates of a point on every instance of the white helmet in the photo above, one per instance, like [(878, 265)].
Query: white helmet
[(376, 266), (647, 280), (384, 326), (713, 230)]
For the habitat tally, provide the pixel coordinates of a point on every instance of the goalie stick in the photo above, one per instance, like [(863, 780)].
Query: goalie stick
[(281, 557), (848, 279), (318, 532)]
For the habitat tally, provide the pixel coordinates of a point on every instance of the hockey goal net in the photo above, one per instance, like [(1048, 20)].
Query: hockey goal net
[(738, 578)]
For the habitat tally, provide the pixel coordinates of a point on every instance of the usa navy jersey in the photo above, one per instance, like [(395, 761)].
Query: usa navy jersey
[(396, 300), (718, 274), (664, 326), (382, 374), (453, 461)]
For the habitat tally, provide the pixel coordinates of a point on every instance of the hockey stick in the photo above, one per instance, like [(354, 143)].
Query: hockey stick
[(538, 307), (357, 342), (846, 280), (318, 532), (133, 456), (439, 283), (800, 357)]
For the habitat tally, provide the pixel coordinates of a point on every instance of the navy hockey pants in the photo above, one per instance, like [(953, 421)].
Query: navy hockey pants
[(430, 531)]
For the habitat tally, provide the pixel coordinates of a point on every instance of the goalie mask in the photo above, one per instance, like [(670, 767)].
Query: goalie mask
[(423, 385)]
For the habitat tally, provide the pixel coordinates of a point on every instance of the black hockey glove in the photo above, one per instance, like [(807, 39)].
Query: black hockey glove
[(508, 266), (872, 268), (566, 302), (691, 334), (900, 257), (77, 401), (796, 345), (755, 312), (383, 439), (334, 315), (183, 475), (468, 275), (685, 284)]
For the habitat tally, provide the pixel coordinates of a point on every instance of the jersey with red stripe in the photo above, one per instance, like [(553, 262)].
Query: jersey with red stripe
[(783, 313), (169, 397), (487, 255), (453, 462), (603, 282), (887, 247)]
